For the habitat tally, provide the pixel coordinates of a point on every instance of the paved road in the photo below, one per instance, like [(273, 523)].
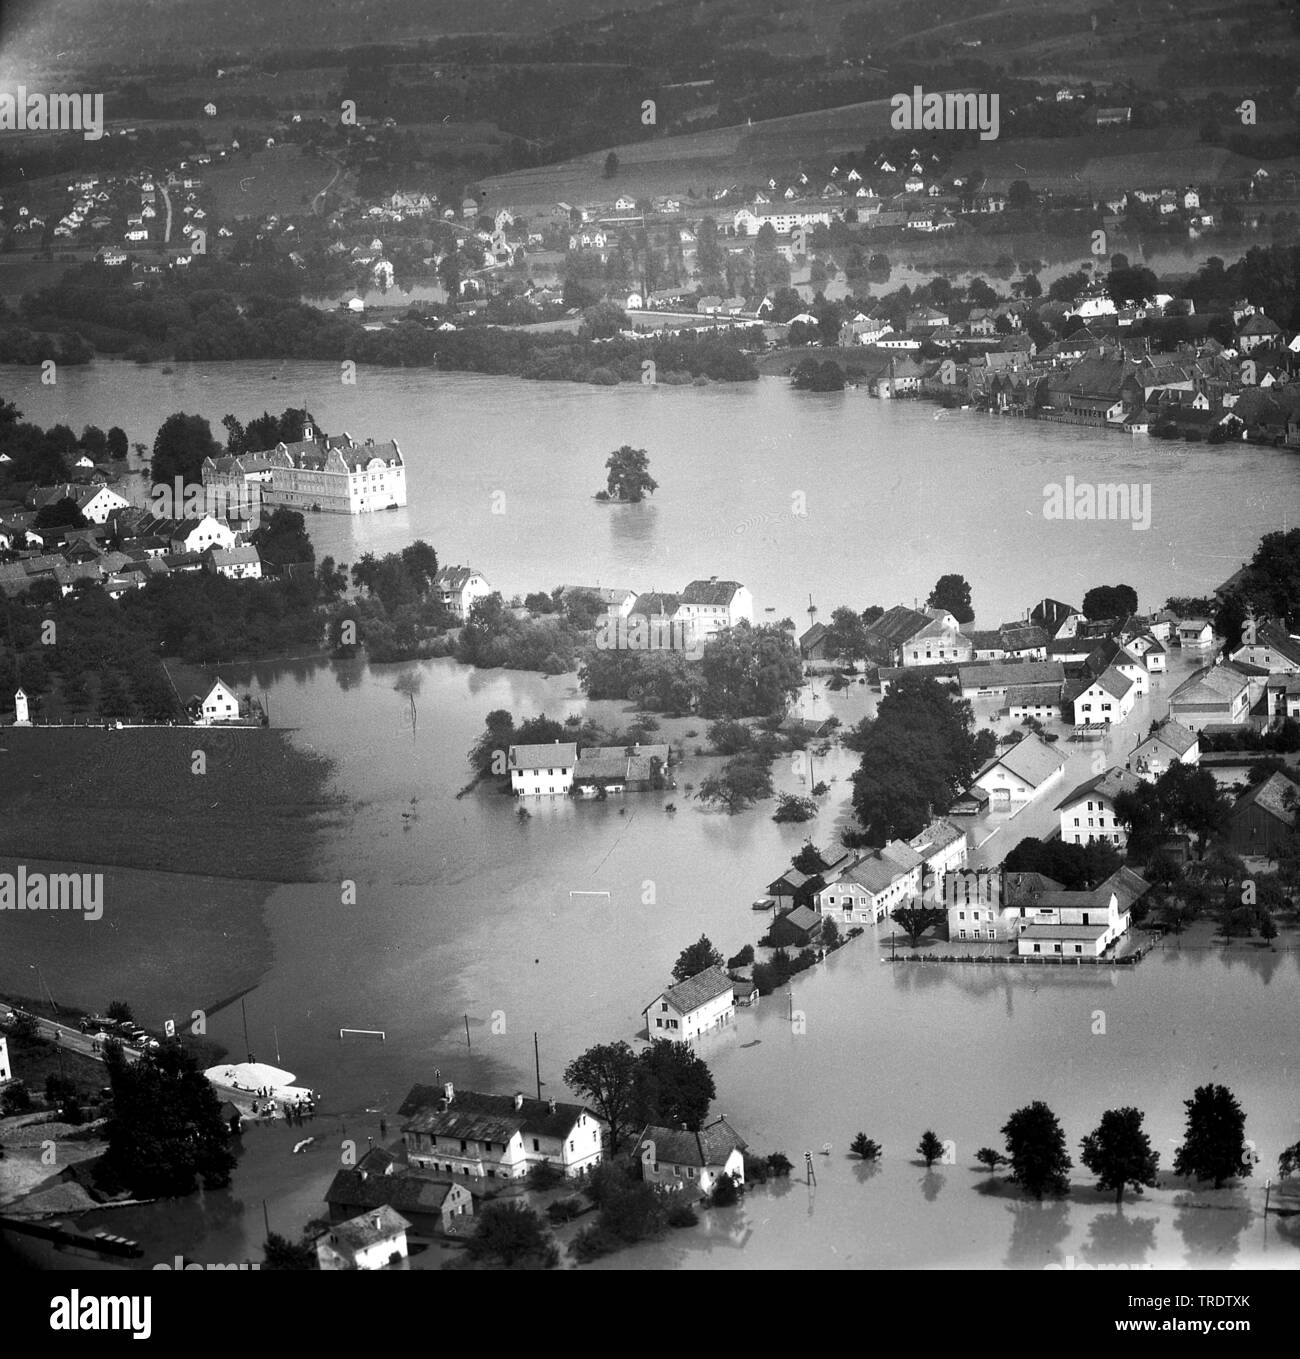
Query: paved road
[(996, 834), (68, 1036)]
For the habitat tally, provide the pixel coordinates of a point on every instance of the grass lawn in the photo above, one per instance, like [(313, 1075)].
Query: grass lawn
[(131, 798)]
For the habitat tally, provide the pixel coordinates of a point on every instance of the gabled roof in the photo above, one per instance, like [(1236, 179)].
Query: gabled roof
[(1022, 636), (562, 754), (474, 1116), (1113, 682), (939, 834), (1023, 888), (656, 605), (370, 1228), (405, 1191), (1277, 795), (1108, 785), (711, 592), (709, 1147), (695, 991), (1279, 640), (1171, 733), (455, 577), (1031, 760), (1216, 684), (898, 625), (803, 918), (993, 675)]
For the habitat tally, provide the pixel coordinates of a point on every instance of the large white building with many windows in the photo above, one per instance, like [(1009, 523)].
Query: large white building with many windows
[(335, 475)]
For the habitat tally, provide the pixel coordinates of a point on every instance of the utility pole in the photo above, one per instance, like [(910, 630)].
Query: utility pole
[(537, 1064), (247, 1048), (468, 1044)]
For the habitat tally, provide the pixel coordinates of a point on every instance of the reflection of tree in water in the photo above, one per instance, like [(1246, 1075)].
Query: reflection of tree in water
[(347, 676), (931, 1183), (1037, 1230), (866, 1170), (1211, 1231), (1117, 1239)]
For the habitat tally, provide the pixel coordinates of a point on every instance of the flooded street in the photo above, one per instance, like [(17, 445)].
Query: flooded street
[(473, 930)]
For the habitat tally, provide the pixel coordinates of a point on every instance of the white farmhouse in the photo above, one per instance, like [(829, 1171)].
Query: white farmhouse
[(459, 587), (536, 770), (713, 604), (375, 1240), (700, 1003), (1020, 773), (220, 705), (463, 1132), (693, 1161)]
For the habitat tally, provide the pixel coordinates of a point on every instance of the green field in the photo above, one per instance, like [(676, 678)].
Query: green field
[(131, 798), (282, 180)]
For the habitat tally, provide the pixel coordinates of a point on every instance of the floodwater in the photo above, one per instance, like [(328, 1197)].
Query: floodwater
[(472, 930)]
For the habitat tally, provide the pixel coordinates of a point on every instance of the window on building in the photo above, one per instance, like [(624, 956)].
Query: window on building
[(537, 1146)]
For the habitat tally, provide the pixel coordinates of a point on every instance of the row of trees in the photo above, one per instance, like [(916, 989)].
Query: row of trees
[(215, 313), (1118, 1151)]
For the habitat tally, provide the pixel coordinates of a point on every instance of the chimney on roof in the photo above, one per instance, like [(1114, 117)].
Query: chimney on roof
[(519, 1099), (550, 1106), (449, 1092)]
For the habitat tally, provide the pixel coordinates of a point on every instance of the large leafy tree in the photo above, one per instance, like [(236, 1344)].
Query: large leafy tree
[(749, 671), (513, 1235), (181, 444), (1119, 1153), (674, 1085), (952, 592), (1074, 866), (914, 918), (282, 538), (695, 958), (742, 782), (846, 635), (165, 1133), (1036, 1150), (1214, 1144), (920, 752), (628, 474), (606, 1076), (1110, 601)]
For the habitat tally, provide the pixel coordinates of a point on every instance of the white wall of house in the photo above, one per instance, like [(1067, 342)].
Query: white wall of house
[(1004, 787), (686, 1177), (541, 781), (1092, 818), (1095, 704), (663, 1020)]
